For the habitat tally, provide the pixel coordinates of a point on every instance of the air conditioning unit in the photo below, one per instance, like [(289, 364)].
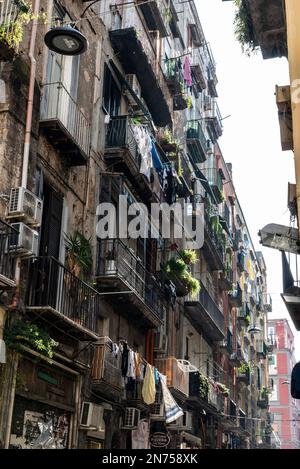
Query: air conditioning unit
[(25, 242), (92, 416), (26, 205), (131, 418), (160, 341), (183, 423), (134, 83)]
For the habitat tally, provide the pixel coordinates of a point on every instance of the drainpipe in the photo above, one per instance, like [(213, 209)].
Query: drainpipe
[(30, 95), (24, 184)]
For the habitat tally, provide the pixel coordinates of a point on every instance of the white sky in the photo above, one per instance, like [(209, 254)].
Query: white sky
[(251, 139)]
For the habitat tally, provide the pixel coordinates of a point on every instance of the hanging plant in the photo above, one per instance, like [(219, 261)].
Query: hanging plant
[(203, 387), (12, 31), (177, 271), (189, 256), (243, 28), (30, 335)]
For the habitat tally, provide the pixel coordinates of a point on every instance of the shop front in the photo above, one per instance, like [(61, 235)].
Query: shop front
[(45, 406)]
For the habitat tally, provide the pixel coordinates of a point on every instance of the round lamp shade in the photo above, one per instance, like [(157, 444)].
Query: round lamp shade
[(66, 40)]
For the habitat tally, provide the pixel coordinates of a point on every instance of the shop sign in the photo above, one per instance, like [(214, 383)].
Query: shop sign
[(159, 439)]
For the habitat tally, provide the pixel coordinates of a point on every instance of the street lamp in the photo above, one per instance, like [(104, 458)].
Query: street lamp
[(254, 329), (66, 40)]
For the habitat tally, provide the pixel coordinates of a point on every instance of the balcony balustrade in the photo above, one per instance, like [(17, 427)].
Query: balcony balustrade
[(65, 125), (56, 294)]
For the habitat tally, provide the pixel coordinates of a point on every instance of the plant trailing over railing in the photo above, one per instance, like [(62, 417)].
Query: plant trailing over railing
[(243, 27), (31, 336), (189, 256), (12, 31), (222, 389), (178, 271), (203, 387)]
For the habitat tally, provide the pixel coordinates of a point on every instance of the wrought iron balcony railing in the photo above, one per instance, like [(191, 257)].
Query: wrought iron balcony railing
[(55, 291), (67, 127), (206, 313), (119, 265), (7, 258), (196, 141)]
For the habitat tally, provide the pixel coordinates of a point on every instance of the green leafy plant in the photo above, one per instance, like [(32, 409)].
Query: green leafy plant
[(222, 389), (204, 387), (189, 256), (177, 270), (244, 368), (189, 102), (79, 253), (12, 31), (31, 335), (243, 28)]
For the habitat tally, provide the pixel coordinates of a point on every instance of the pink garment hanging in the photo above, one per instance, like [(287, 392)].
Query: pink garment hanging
[(187, 75)]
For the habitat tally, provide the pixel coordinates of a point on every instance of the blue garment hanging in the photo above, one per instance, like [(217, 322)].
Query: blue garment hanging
[(155, 157)]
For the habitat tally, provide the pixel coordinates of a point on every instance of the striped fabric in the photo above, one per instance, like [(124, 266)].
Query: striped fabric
[(172, 409)]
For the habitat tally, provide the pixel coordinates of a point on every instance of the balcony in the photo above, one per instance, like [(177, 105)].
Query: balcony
[(196, 141), (211, 72), (243, 375), (213, 248), (214, 121), (263, 400), (214, 178), (106, 372), (122, 151), (226, 346), (243, 315), (119, 269), (177, 376), (236, 358), (261, 349), (138, 56), (7, 259), (198, 71), (65, 125), (226, 279), (56, 295), (155, 13), (205, 314), (9, 11), (266, 26), (267, 301), (235, 298)]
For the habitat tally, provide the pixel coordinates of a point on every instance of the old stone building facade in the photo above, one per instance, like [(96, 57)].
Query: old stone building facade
[(135, 115)]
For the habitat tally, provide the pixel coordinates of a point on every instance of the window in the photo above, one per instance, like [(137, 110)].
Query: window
[(273, 364), (111, 94)]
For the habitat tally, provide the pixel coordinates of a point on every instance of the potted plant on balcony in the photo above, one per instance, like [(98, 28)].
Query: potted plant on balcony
[(178, 272), (168, 143), (79, 254), (189, 256), (222, 389), (203, 387)]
